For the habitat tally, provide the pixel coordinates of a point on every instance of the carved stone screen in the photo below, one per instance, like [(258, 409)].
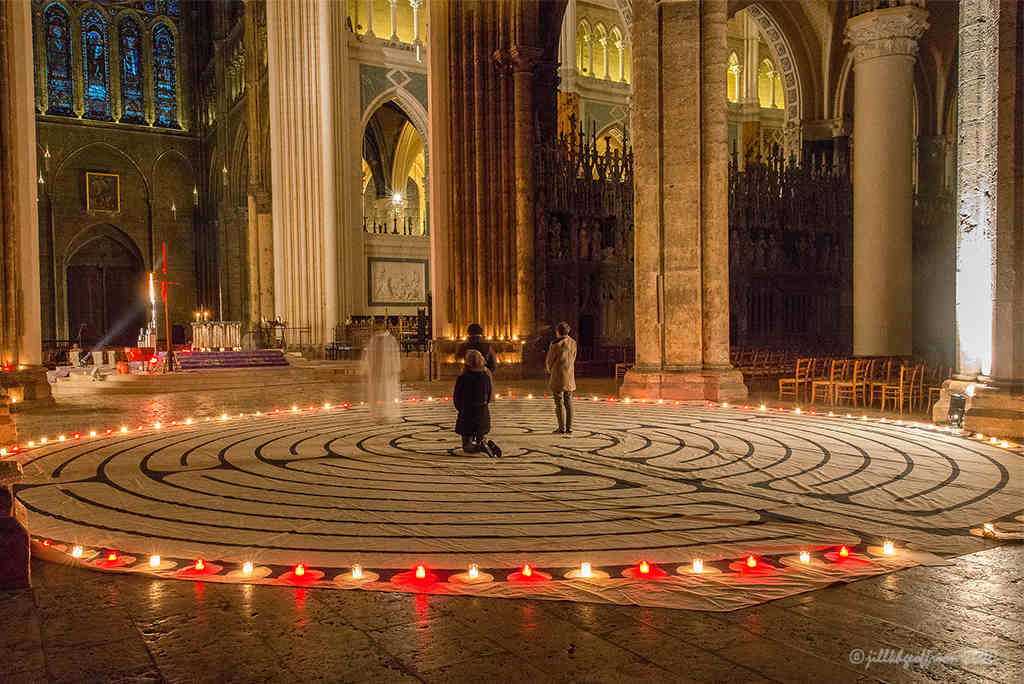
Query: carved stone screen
[(397, 282)]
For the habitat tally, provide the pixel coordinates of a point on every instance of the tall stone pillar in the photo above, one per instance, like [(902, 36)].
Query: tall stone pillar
[(20, 310), (884, 44), (681, 219), (990, 208), (303, 64), (523, 62)]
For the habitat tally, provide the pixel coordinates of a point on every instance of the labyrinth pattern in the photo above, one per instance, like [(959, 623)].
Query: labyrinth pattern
[(332, 487)]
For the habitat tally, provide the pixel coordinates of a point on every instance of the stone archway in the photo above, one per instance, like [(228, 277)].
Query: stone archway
[(103, 276)]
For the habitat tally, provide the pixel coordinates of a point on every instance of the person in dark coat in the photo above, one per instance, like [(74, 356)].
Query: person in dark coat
[(471, 396), (476, 341)]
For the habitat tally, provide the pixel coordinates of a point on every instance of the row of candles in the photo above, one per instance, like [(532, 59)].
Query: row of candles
[(528, 572), (762, 408)]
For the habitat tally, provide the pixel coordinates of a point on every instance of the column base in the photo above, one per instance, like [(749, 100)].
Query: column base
[(26, 386), (996, 411), (707, 384)]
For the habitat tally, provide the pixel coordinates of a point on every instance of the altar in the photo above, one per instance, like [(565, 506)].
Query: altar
[(216, 334)]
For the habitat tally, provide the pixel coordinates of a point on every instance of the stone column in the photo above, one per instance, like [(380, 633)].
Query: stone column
[(394, 19), (20, 310), (680, 217), (369, 18), (415, 4), (990, 207), (884, 44), (523, 61), (714, 202), (303, 165)]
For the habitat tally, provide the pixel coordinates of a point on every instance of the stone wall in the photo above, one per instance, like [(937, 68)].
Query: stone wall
[(155, 169)]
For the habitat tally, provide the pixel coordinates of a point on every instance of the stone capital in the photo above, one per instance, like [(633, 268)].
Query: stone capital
[(524, 58), (893, 31)]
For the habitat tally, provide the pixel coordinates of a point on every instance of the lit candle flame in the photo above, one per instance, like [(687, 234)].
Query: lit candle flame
[(644, 568), (585, 569), (527, 570), (154, 561), (888, 548), (199, 564), (751, 562), (843, 551), (474, 571), (300, 570), (805, 557), (421, 572), (698, 565), (357, 572), (247, 568)]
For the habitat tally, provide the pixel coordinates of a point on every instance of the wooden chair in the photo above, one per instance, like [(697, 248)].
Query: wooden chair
[(879, 380), (917, 394), (900, 394), (824, 387), (798, 384), (935, 385), (855, 386)]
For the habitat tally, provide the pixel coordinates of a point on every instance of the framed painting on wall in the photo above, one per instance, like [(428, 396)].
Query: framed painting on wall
[(397, 282), (102, 193)]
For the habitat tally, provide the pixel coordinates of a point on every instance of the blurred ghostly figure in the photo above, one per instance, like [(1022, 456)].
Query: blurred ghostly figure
[(383, 367)]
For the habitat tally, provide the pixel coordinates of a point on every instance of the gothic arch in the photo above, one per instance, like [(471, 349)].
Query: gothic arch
[(97, 231), (110, 148), (784, 60), (407, 103)]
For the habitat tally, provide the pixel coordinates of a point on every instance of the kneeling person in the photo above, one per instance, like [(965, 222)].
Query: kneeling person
[(471, 396)]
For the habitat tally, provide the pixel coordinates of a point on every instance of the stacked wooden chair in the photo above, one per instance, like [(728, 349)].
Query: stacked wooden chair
[(902, 393), (855, 385), (798, 385), (824, 388)]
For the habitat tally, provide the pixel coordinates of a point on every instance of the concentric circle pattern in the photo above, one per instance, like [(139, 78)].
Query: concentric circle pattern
[(332, 487)]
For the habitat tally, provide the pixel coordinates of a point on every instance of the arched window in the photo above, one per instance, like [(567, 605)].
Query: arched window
[(165, 80), (615, 55), (133, 100), (733, 78), (766, 83), (172, 8), (95, 66), (779, 98), (149, 6), (584, 53), (600, 48), (58, 61)]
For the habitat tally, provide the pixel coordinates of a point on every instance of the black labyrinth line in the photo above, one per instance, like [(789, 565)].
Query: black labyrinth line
[(413, 436)]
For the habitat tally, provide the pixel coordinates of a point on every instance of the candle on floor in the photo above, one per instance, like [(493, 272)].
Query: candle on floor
[(247, 568), (474, 571), (154, 561), (805, 557), (421, 572), (357, 572), (751, 561), (77, 552), (888, 548), (585, 569), (698, 565)]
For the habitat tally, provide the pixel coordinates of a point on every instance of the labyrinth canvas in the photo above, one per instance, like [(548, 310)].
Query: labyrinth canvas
[(664, 485)]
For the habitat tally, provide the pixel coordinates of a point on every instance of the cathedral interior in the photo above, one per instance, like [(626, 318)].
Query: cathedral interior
[(780, 205)]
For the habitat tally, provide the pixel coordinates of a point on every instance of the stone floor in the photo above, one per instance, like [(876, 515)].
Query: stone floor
[(966, 621)]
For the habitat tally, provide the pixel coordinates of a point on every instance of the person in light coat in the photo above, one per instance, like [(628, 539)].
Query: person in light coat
[(560, 366)]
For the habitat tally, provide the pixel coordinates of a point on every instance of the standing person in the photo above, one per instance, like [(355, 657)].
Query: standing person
[(471, 396), (476, 341), (560, 365)]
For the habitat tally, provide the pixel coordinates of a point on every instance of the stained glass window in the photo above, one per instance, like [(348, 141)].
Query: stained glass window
[(95, 66), (58, 60), (149, 5), (172, 8), (133, 101), (165, 87)]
